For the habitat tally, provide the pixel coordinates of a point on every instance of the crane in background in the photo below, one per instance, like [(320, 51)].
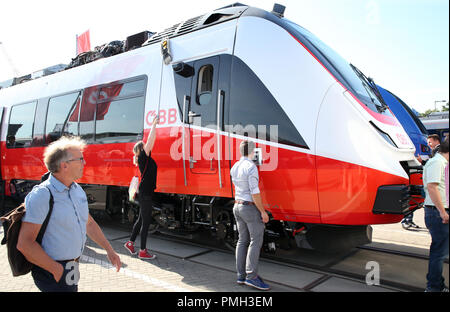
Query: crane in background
[(8, 59)]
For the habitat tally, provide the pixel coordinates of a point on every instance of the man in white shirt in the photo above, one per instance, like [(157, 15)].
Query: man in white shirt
[(250, 217), (436, 217)]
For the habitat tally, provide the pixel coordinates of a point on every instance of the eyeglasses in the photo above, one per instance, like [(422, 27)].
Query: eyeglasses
[(76, 159)]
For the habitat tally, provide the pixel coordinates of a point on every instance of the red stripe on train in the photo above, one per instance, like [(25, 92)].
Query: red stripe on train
[(302, 187)]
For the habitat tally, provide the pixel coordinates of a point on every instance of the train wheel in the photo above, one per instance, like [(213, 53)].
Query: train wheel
[(154, 226), (224, 229), (223, 223), (230, 244), (131, 214)]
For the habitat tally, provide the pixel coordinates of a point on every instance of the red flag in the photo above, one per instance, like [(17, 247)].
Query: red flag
[(89, 104), (83, 42), (105, 93)]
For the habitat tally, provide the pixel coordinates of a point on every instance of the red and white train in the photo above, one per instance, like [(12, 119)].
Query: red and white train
[(332, 158)]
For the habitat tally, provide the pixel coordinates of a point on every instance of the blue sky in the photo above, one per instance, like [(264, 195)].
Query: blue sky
[(402, 44)]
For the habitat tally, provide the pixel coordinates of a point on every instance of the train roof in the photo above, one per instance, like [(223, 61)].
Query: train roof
[(215, 17)]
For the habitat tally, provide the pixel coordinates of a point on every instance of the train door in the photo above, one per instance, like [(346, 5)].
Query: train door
[(206, 170)]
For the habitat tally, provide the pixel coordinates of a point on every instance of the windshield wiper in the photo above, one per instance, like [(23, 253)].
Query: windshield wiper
[(368, 82), (364, 81), (377, 93)]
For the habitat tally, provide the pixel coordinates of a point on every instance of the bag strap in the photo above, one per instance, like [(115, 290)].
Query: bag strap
[(44, 225), (145, 168)]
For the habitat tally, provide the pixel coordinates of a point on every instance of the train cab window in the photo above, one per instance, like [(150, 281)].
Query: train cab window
[(205, 84), (120, 112), (202, 105), (62, 116), (20, 128)]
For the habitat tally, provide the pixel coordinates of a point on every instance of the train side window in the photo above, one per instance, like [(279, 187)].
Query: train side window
[(39, 123), (87, 113), (62, 116), (122, 90), (120, 112), (20, 127), (205, 84), (120, 120)]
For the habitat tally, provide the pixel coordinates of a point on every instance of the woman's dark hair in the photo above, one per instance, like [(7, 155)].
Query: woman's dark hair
[(137, 149)]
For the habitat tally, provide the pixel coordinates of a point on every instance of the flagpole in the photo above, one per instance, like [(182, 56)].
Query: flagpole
[(76, 44)]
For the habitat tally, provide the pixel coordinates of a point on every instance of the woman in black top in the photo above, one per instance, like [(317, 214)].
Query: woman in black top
[(147, 167)]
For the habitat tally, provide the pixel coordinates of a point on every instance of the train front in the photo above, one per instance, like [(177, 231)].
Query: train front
[(364, 158), (349, 162)]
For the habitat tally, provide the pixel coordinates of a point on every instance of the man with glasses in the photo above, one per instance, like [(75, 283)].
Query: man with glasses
[(56, 260)]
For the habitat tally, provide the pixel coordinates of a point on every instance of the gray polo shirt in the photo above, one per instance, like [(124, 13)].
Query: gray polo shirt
[(244, 175), (65, 236)]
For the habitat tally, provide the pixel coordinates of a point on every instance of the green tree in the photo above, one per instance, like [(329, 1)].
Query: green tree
[(428, 112)]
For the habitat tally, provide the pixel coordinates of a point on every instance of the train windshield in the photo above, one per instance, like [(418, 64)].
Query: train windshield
[(350, 76)]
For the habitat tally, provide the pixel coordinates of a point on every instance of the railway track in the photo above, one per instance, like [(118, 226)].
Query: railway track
[(397, 252), (326, 268)]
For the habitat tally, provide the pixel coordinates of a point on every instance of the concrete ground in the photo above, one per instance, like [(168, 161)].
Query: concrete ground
[(182, 267)]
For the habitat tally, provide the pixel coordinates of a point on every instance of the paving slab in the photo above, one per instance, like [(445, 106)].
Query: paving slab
[(168, 247), (410, 271), (282, 274), (336, 284), (112, 233), (395, 233), (398, 247), (310, 257), (288, 276)]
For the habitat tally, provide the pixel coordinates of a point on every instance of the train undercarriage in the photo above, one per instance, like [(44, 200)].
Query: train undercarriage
[(183, 214)]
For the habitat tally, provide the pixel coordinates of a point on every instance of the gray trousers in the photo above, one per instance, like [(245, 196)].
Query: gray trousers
[(251, 235)]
